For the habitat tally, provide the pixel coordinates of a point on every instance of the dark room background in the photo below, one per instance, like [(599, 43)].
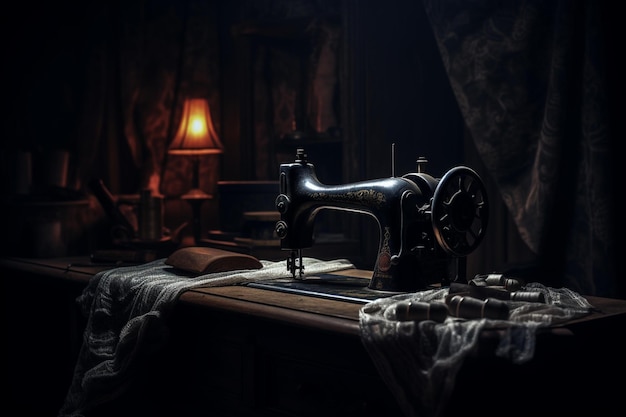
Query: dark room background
[(525, 93)]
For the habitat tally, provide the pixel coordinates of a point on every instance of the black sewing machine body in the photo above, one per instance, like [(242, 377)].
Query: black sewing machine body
[(427, 225)]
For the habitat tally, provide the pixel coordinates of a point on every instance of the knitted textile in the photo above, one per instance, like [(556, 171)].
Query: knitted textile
[(126, 309)]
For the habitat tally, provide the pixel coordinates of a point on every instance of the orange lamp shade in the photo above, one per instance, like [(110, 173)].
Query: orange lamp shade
[(196, 134)]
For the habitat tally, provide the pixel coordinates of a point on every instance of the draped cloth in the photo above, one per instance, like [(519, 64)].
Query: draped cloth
[(127, 310), (419, 360), (530, 79)]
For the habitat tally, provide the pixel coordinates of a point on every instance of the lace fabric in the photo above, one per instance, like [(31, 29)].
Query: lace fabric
[(419, 360)]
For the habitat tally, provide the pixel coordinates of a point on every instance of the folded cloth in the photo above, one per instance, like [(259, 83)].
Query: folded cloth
[(419, 360), (125, 309)]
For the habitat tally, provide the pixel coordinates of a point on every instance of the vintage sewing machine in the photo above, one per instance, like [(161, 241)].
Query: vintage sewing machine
[(427, 225)]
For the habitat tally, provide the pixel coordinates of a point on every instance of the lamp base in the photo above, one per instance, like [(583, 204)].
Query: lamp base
[(196, 194), (196, 197)]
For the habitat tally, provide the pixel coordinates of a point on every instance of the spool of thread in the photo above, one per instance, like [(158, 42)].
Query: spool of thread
[(512, 284), (530, 296), (419, 311), (474, 308), (494, 279), (499, 280)]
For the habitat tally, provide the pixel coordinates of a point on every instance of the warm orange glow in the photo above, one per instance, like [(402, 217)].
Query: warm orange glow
[(196, 134), (197, 127)]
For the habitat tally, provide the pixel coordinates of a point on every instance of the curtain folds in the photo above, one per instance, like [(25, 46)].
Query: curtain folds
[(529, 80), (143, 60)]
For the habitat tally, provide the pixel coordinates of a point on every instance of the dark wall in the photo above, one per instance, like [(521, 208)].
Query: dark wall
[(100, 81), (403, 96), (409, 101)]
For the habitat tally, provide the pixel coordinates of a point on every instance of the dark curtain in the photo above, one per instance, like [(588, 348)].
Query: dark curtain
[(530, 78), (108, 80), (159, 53)]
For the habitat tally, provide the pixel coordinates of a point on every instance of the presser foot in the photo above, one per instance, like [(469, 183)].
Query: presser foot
[(294, 263)]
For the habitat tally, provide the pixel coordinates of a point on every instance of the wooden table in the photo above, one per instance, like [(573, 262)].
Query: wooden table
[(253, 352)]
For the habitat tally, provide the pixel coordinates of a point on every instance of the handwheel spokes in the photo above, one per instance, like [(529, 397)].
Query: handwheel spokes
[(459, 211)]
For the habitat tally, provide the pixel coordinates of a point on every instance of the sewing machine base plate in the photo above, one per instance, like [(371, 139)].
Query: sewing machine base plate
[(329, 286)]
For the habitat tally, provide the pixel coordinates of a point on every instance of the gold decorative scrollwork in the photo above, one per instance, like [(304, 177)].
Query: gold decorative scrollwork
[(366, 197)]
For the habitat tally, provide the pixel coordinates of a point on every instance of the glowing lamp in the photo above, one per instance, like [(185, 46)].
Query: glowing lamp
[(196, 137)]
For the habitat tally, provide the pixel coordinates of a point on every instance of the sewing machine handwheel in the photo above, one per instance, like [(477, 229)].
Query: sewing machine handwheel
[(460, 211)]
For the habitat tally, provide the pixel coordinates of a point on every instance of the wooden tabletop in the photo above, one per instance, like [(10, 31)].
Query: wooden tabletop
[(302, 310)]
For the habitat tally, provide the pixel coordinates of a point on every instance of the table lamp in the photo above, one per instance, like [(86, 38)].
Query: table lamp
[(196, 137)]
